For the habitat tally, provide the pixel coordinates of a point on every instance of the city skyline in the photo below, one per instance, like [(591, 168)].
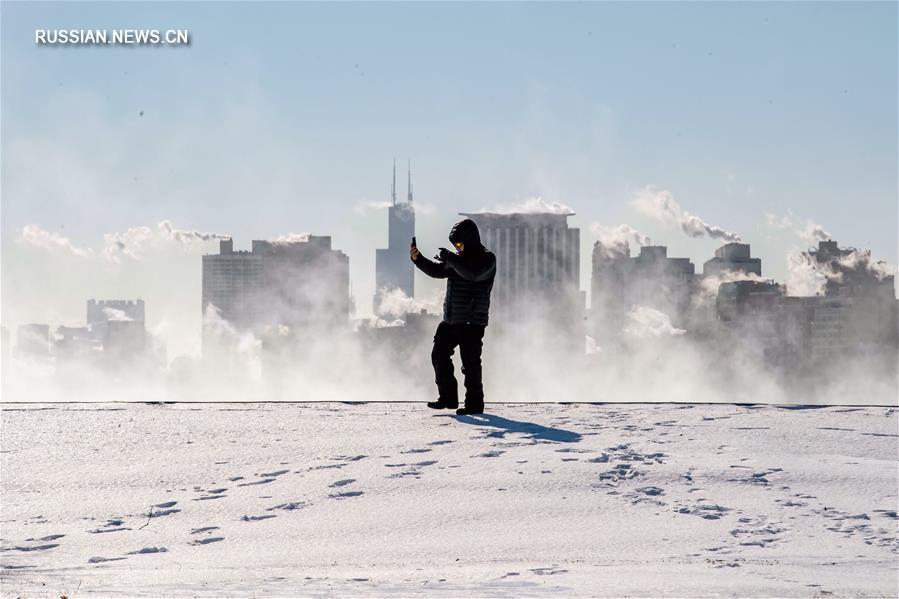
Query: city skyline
[(738, 110)]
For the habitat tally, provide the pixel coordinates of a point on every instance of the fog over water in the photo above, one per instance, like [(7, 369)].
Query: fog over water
[(659, 351)]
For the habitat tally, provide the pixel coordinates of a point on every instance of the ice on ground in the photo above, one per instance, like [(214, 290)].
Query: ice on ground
[(527, 500)]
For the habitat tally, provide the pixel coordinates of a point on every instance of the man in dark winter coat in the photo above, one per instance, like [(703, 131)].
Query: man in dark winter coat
[(469, 278)]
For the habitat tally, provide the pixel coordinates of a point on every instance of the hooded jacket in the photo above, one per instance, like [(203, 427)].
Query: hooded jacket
[(469, 276)]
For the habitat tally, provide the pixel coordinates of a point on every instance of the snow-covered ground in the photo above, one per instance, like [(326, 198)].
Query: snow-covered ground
[(395, 499)]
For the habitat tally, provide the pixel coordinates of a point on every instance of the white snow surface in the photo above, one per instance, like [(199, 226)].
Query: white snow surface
[(380, 499)]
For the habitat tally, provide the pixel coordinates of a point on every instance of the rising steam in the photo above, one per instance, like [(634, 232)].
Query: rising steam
[(615, 241), (133, 243), (34, 236), (185, 237), (114, 314), (535, 205), (396, 304), (648, 323), (291, 238), (660, 205), (807, 276), (709, 284), (811, 233)]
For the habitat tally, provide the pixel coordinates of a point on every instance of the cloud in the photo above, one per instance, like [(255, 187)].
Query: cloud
[(615, 241), (37, 237), (660, 205)]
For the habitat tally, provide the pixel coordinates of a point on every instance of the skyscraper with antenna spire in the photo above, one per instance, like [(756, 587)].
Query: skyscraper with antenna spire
[(393, 268)]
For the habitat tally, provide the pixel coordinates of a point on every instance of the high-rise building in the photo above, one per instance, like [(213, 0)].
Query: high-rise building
[(856, 316), (732, 257), (650, 279), (74, 343), (297, 284), (537, 271), (393, 268), (101, 312)]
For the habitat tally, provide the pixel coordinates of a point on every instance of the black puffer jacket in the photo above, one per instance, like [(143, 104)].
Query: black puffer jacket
[(469, 276)]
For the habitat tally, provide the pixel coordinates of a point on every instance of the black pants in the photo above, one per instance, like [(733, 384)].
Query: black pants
[(469, 338)]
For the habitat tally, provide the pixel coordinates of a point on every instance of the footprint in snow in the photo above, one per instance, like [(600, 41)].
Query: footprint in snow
[(340, 483), (32, 548), (704, 510), (47, 538), (495, 453), (443, 442), (257, 482), (420, 450), (207, 540), (166, 504), (100, 560), (274, 474), (293, 505), (255, 518), (195, 531), (147, 550), (345, 494), (405, 473), (112, 525), (326, 466), (547, 571)]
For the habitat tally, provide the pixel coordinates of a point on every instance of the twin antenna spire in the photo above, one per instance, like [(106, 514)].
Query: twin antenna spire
[(393, 184)]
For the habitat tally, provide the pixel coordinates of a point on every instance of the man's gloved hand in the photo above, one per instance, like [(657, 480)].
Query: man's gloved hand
[(443, 253)]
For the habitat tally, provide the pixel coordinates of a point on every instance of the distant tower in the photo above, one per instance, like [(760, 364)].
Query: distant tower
[(393, 268)]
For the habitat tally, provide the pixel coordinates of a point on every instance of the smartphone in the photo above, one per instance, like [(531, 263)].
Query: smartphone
[(413, 242)]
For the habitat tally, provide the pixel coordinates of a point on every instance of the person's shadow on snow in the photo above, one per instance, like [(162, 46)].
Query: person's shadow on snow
[(504, 425)]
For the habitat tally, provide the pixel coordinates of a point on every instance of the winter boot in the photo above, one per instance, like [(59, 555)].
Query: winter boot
[(443, 405)]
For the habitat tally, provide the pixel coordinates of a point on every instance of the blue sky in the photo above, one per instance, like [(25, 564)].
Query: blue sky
[(285, 117)]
